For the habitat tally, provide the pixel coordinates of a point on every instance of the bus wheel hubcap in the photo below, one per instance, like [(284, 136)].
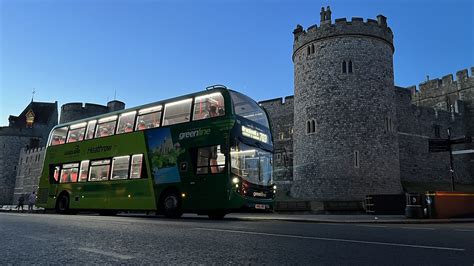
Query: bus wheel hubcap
[(171, 203)]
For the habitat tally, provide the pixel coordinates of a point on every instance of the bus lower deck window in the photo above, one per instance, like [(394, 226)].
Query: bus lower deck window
[(120, 167), (136, 169), (99, 170), (84, 171), (69, 173)]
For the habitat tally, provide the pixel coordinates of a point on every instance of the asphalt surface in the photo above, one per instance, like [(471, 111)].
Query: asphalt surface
[(79, 239)]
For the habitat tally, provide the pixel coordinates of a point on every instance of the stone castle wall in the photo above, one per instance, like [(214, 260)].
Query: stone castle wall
[(444, 94), (12, 141), (76, 111), (280, 112), (29, 169)]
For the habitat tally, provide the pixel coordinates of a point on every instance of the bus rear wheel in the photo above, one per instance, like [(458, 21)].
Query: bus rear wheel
[(171, 205), (62, 204)]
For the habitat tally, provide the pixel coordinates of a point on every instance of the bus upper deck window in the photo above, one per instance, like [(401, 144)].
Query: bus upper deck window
[(76, 132), (59, 136), (148, 118), (125, 123), (91, 129), (177, 112), (106, 126), (207, 106)]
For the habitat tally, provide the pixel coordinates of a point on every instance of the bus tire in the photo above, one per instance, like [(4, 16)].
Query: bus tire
[(62, 204), (171, 205), (216, 215)]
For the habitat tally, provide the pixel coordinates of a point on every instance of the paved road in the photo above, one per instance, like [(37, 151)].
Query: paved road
[(59, 239)]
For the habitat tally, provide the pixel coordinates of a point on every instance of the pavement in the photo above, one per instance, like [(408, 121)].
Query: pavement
[(301, 217)]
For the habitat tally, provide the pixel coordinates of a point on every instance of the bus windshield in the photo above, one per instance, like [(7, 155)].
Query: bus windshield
[(248, 108), (252, 164)]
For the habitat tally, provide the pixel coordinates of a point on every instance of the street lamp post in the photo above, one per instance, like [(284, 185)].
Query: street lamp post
[(451, 166)]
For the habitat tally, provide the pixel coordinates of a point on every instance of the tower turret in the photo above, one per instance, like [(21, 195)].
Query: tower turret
[(345, 137)]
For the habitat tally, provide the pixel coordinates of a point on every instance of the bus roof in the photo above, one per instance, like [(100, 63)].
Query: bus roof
[(210, 89)]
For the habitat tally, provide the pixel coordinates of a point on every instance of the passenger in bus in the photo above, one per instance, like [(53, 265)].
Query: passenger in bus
[(104, 132), (141, 125), (213, 160), (74, 175), (128, 128), (212, 112)]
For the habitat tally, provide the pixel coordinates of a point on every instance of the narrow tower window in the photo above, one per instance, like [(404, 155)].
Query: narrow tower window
[(356, 159), (437, 131), (312, 48), (308, 127), (309, 50), (343, 66), (313, 126), (350, 67)]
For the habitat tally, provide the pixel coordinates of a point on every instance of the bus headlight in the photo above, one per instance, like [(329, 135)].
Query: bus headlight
[(235, 180), (274, 187)]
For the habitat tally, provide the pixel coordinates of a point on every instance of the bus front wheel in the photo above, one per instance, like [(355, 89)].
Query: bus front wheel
[(171, 205), (62, 205)]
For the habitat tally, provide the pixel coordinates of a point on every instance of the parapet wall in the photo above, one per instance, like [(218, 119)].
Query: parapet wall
[(441, 93), (75, 111), (370, 28)]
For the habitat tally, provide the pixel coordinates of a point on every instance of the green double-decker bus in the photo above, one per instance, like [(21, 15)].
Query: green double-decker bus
[(208, 153)]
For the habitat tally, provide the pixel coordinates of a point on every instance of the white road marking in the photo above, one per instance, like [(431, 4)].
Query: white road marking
[(419, 228), (463, 230), (107, 253), (34, 238), (377, 226), (331, 239)]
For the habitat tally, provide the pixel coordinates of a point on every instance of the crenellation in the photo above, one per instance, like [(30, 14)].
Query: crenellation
[(312, 28), (357, 20), (462, 75), (372, 22), (369, 29), (430, 84), (382, 21), (436, 90), (446, 80)]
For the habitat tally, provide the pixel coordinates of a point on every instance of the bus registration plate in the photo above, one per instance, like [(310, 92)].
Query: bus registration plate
[(261, 206)]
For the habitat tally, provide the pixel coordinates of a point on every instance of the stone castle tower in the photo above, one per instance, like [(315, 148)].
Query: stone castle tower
[(345, 140)]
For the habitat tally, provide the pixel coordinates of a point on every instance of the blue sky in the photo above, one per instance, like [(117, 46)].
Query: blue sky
[(86, 50)]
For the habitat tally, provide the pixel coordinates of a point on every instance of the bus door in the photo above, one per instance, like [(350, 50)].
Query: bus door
[(209, 182), (54, 181)]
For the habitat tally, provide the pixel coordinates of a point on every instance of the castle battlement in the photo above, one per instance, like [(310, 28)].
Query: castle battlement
[(370, 28), (443, 87), (33, 150), (75, 111), (278, 101), (82, 107)]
